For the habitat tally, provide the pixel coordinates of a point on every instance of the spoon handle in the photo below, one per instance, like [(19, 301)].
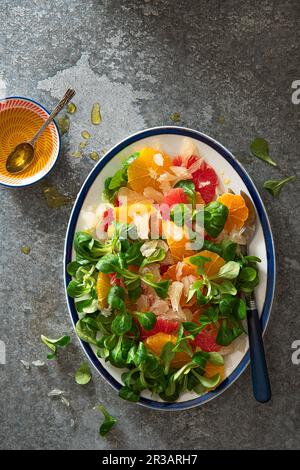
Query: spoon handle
[(65, 99), (259, 370)]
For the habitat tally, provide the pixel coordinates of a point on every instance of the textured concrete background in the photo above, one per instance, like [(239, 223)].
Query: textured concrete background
[(144, 60)]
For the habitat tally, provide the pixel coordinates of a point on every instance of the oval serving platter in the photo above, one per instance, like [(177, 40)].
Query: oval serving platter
[(171, 139)]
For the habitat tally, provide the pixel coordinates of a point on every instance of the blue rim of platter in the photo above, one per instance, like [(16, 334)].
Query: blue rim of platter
[(271, 270), (59, 142)]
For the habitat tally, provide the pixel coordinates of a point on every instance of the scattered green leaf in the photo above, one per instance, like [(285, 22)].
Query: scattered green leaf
[(83, 374), (259, 148), (108, 422), (275, 186), (53, 344)]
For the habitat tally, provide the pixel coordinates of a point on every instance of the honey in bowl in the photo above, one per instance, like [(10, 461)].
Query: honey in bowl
[(19, 124)]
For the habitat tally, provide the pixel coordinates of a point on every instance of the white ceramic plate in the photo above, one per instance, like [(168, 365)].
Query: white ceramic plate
[(171, 140)]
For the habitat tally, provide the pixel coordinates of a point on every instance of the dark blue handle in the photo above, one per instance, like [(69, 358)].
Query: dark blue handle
[(259, 370)]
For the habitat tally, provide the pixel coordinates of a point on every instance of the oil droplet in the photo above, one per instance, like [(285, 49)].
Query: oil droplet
[(54, 199), (94, 156), (76, 154), (222, 172), (104, 150), (175, 117), (63, 124), (71, 108), (227, 181), (25, 249), (85, 134), (96, 114), (221, 119), (82, 145)]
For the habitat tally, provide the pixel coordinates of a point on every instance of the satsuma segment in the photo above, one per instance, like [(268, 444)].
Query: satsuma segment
[(177, 239), (102, 289), (156, 343), (212, 369), (238, 211), (145, 170), (212, 267)]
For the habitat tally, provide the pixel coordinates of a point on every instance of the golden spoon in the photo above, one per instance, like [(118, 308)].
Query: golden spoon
[(22, 156)]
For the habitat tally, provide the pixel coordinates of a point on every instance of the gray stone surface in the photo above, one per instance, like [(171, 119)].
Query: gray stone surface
[(203, 59)]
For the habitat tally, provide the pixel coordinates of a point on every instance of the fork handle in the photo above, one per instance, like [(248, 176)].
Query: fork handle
[(259, 370)]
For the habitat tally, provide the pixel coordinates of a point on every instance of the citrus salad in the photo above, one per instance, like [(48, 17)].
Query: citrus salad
[(160, 274)]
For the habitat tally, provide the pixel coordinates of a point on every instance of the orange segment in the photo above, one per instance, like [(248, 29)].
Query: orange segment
[(210, 267), (238, 211), (145, 170), (156, 343), (102, 289), (212, 369), (177, 239)]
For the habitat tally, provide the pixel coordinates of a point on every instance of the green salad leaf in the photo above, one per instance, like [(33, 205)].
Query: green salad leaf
[(146, 319), (108, 422), (259, 148), (118, 180), (228, 332), (230, 270), (53, 344), (275, 186), (88, 250), (86, 331), (215, 216), (156, 257), (121, 324), (226, 249), (83, 374)]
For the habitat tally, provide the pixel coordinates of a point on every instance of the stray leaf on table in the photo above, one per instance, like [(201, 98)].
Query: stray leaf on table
[(108, 422), (259, 148), (274, 186), (52, 344), (83, 374)]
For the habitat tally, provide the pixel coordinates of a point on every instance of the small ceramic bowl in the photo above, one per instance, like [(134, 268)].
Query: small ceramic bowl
[(20, 119)]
